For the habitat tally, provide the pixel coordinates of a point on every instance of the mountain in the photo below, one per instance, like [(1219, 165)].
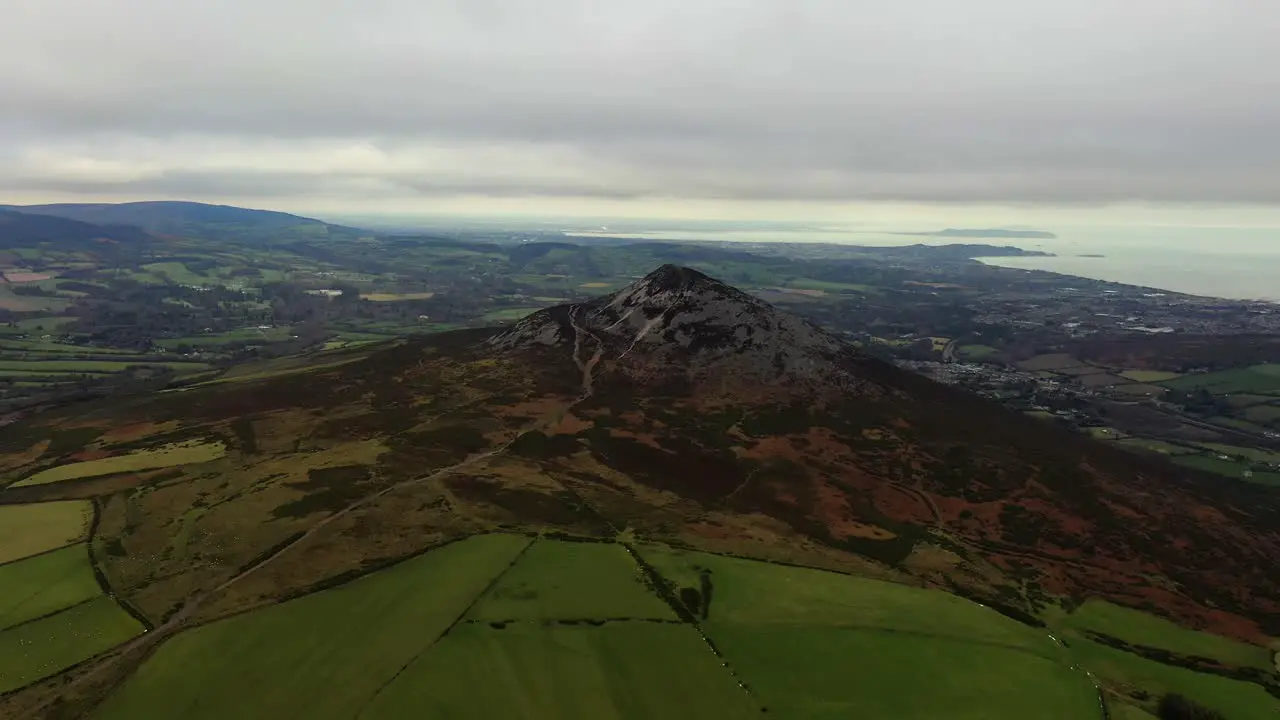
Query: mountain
[(678, 411), (198, 220), (27, 230)]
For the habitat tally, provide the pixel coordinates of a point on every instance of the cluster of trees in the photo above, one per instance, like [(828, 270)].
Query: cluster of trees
[(1177, 707)]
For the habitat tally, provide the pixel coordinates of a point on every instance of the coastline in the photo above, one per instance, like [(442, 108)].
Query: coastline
[(1241, 278)]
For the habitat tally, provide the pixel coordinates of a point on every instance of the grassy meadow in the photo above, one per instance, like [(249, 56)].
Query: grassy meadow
[(52, 644), (571, 580), (324, 655), (1139, 628), (618, 671), (1235, 699), (185, 453), (26, 530), (817, 672), (44, 584)]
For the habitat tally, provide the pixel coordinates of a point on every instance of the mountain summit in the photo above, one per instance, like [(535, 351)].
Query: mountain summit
[(677, 322)]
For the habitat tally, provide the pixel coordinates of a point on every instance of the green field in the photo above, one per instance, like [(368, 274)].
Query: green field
[(977, 352), (1235, 699), (179, 274), (29, 529), (1124, 711), (571, 580), (814, 672), (1139, 628), (1237, 469), (50, 645), (1264, 414), (616, 671), (90, 366), (242, 336), (40, 345), (823, 285), (1248, 453), (43, 324), (1258, 379), (1149, 376), (509, 314), (185, 453), (44, 584), (324, 655), (1160, 446), (750, 592)]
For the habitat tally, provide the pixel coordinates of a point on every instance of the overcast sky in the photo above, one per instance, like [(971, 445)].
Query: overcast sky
[(664, 107)]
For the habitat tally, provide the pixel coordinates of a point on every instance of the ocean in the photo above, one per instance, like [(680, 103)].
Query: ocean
[(1236, 263), (1227, 262)]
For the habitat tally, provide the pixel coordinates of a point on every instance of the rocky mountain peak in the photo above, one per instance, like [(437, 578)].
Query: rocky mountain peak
[(679, 320)]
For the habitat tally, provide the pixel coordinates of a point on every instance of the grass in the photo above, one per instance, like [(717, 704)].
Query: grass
[(1259, 379), (44, 584), (1227, 468), (177, 273), (1125, 711), (324, 655), (242, 335), (749, 592), (38, 345), (1248, 453), (1233, 698), (1104, 433), (29, 529), (1139, 628), (977, 352), (1160, 446), (614, 672), (509, 314), (819, 672), (1245, 400), (185, 453), (823, 285), (91, 366), (30, 303), (393, 297), (1262, 414), (50, 645), (1149, 376), (46, 323), (567, 580), (1237, 424)]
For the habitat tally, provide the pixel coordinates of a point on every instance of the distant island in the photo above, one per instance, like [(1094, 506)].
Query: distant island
[(984, 233)]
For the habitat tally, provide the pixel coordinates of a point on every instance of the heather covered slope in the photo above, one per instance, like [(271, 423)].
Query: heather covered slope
[(678, 411)]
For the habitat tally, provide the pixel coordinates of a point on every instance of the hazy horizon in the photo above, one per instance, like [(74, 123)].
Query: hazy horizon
[(772, 109)]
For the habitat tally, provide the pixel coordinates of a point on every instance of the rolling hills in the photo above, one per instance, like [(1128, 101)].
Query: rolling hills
[(193, 219), (697, 428)]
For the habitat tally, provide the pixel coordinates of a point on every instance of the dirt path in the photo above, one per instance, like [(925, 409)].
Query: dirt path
[(587, 367)]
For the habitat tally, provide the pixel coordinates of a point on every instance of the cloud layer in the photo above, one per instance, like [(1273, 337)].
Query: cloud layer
[(799, 100)]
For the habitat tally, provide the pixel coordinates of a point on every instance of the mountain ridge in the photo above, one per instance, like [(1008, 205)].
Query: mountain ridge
[(195, 219)]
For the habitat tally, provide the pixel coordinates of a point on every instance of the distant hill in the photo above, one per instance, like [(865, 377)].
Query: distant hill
[(25, 230), (198, 220), (986, 233)]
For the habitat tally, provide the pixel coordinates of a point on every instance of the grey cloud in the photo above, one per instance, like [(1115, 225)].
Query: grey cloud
[(985, 100)]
